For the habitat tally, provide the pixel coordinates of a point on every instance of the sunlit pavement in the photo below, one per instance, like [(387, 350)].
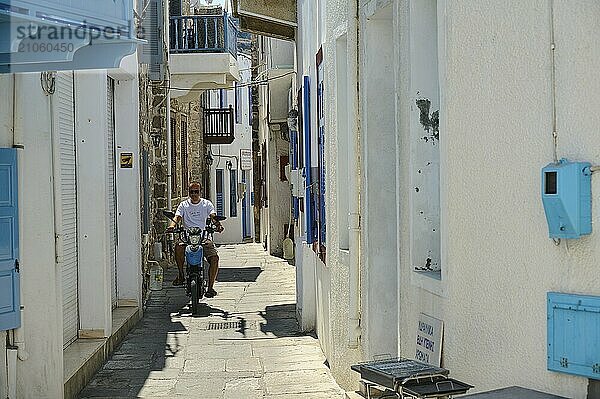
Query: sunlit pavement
[(242, 344)]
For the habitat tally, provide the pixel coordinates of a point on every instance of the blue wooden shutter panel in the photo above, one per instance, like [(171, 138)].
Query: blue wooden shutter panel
[(220, 200), (233, 193), (10, 315), (321, 141), (294, 162), (574, 334), (309, 209)]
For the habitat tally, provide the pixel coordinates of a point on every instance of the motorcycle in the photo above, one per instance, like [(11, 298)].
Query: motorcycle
[(196, 265)]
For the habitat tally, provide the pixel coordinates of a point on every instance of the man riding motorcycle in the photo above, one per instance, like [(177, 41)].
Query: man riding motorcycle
[(194, 212)]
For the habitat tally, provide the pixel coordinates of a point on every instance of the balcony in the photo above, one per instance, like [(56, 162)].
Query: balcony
[(219, 125), (203, 51), (56, 35)]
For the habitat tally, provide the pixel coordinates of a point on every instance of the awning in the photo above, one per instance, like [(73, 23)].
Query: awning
[(273, 18)]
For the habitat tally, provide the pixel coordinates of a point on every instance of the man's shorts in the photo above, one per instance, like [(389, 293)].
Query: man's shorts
[(209, 249)]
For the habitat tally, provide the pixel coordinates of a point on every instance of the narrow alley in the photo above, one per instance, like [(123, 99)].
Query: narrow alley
[(244, 343)]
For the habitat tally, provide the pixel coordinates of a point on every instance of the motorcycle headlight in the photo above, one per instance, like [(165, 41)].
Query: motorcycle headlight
[(194, 240)]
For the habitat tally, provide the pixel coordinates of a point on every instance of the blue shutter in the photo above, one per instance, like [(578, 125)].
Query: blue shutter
[(153, 32), (245, 232), (294, 163), (321, 141), (307, 163), (233, 193), (220, 204), (10, 316), (574, 334)]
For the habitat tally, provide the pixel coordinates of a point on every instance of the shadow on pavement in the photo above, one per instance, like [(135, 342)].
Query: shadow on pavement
[(238, 274), (280, 320)]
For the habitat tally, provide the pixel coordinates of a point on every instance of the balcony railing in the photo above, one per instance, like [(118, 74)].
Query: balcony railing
[(219, 126), (203, 33)]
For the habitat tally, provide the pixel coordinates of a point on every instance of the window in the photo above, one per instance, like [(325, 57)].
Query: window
[(284, 160), (223, 97), (219, 184), (424, 138), (233, 193), (250, 105), (173, 155), (184, 154)]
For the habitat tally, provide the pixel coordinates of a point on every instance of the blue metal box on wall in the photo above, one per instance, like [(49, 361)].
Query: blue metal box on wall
[(567, 198)]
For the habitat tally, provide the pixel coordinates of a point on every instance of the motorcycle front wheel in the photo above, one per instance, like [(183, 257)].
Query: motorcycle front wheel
[(194, 288)]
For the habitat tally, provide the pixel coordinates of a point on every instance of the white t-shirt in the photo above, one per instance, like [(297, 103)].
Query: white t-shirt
[(195, 215)]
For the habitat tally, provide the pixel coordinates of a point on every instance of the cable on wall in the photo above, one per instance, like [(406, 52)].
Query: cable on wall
[(553, 82)]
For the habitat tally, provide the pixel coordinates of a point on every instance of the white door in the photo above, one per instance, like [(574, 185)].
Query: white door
[(112, 192), (65, 125)]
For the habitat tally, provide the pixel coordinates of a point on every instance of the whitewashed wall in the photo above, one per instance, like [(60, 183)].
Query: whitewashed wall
[(40, 339), (495, 135)]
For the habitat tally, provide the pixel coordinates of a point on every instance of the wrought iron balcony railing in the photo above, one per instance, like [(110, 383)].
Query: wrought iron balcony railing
[(203, 33), (219, 125)]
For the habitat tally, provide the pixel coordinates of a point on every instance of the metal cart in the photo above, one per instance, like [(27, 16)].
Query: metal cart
[(408, 379)]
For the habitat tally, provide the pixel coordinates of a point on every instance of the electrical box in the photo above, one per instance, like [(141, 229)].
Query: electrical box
[(567, 198), (297, 182)]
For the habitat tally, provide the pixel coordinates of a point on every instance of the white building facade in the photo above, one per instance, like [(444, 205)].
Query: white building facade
[(427, 124), (75, 135), (231, 171), (275, 70)]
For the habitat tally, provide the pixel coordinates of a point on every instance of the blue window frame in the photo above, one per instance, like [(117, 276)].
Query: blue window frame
[(219, 186), (233, 193)]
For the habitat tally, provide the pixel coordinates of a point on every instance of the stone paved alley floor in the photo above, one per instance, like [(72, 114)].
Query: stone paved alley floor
[(242, 344)]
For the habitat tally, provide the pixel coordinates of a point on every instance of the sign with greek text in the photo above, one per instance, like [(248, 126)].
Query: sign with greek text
[(429, 340), (245, 159)]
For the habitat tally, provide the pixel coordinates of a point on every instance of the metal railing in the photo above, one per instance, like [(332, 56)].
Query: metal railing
[(219, 125), (203, 33)]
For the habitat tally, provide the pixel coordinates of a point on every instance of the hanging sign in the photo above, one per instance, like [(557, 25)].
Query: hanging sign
[(429, 340), (245, 159)]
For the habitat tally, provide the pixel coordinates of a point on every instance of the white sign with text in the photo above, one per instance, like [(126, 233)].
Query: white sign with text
[(245, 159), (429, 340)]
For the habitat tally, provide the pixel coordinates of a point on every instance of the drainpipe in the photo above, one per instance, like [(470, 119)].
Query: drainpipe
[(169, 155), (354, 329), (18, 336)]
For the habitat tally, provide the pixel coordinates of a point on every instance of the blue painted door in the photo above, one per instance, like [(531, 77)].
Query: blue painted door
[(10, 316), (245, 232)]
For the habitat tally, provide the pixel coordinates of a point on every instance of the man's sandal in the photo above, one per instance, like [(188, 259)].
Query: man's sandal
[(178, 281)]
